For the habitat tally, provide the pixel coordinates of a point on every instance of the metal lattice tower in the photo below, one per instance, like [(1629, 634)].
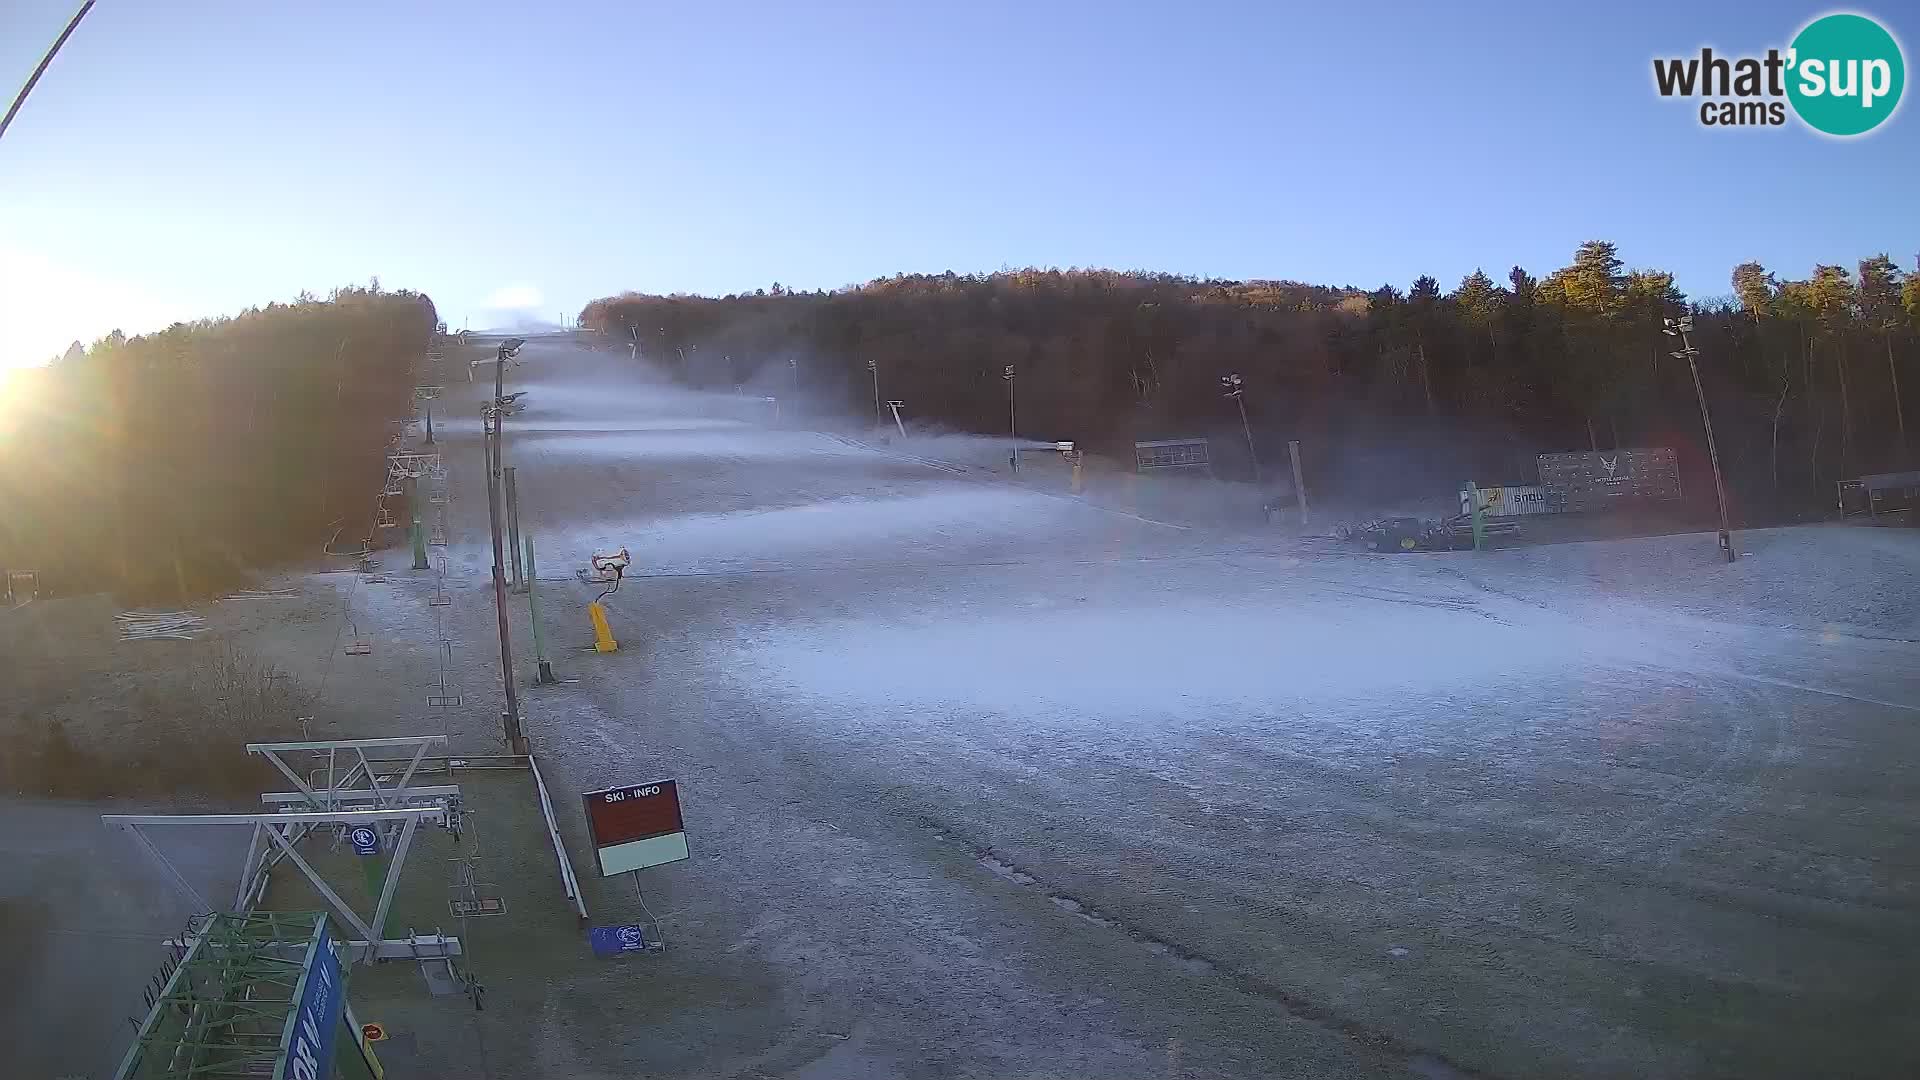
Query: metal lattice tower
[(224, 1004)]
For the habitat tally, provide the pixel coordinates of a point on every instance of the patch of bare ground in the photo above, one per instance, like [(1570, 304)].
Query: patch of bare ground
[(85, 715)]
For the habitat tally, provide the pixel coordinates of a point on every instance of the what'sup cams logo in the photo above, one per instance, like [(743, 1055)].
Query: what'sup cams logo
[(1842, 76)]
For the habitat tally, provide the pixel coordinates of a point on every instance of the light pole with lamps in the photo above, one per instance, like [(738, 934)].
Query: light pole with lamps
[(1231, 383), (1682, 328), (491, 418), (1013, 448), (874, 367)]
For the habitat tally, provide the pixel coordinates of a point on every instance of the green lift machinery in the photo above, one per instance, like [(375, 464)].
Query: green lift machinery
[(257, 995)]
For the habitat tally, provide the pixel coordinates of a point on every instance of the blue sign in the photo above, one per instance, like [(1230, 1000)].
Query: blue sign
[(614, 940), (316, 1020), (365, 839)]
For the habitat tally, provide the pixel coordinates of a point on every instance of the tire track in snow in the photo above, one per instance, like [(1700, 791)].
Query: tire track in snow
[(1419, 1062)]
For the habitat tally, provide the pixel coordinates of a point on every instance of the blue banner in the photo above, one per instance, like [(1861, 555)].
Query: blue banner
[(317, 1018), (614, 940)]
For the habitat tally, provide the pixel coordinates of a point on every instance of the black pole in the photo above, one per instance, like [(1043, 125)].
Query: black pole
[(1713, 451), (14, 109), (415, 524), (513, 528), (1252, 454), (499, 391), (1013, 431), (509, 720)]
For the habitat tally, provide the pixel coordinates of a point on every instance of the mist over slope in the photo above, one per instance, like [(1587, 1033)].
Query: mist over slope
[(1395, 392)]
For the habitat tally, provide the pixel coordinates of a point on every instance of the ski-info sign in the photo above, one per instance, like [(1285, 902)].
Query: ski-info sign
[(637, 826)]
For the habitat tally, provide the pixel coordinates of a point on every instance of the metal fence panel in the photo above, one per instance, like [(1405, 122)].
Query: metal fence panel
[(1172, 454)]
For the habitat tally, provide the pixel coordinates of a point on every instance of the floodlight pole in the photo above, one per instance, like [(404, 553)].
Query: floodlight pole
[(496, 413), (1013, 431), (1299, 481), (1232, 384), (1899, 414), (874, 366), (1682, 328), (1252, 454)]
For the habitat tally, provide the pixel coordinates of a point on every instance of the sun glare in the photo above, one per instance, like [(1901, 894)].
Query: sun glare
[(18, 388)]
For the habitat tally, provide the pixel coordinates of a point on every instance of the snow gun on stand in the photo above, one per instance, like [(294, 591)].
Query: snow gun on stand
[(608, 569)]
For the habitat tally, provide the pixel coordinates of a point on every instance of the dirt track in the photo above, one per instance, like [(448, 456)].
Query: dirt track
[(984, 781)]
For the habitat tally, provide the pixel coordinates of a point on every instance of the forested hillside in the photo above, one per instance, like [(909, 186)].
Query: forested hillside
[(1392, 390), (172, 463)]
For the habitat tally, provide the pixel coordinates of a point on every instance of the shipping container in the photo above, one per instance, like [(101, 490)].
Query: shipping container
[(1512, 500)]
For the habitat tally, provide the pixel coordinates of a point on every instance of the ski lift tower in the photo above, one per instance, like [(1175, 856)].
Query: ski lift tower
[(254, 995)]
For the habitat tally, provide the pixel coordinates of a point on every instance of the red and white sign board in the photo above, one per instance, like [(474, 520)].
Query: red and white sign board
[(637, 826)]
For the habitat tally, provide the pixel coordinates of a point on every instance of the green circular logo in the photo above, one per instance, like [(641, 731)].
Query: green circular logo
[(1846, 74)]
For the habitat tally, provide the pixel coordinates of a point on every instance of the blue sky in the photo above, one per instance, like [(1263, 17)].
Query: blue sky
[(193, 158)]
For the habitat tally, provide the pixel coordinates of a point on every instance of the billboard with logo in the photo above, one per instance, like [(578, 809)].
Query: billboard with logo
[(1611, 479)]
